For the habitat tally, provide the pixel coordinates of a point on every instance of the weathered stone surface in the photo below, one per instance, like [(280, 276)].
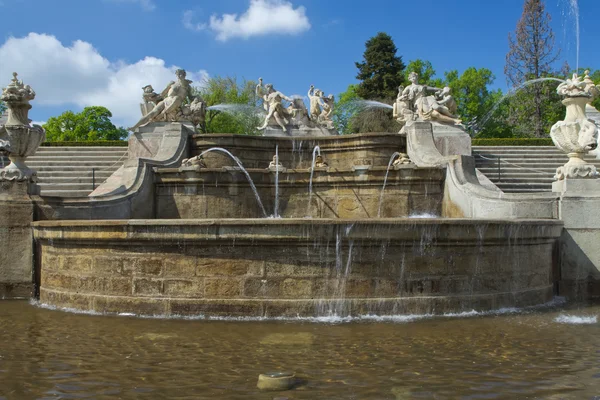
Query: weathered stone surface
[(16, 240), (298, 267)]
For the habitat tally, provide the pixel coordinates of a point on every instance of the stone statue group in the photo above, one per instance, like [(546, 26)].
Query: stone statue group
[(178, 103), (415, 103), (295, 114)]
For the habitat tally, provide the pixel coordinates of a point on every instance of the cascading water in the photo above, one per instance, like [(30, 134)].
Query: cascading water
[(276, 211), (316, 151), (241, 167), (392, 158)]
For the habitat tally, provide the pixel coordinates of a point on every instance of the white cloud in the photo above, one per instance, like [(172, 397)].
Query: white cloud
[(188, 16), (79, 75), (147, 5), (262, 17)]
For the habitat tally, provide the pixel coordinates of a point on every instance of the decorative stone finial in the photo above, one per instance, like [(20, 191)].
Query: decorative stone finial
[(576, 135), (17, 97), (19, 139)]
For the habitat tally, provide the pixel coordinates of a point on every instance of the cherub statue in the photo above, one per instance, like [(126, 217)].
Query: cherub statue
[(315, 102), (327, 103), (320, 162), (446, 99), (151, 99)]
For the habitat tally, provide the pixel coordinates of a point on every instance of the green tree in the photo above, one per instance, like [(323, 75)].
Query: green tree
[(345, 109), (240, 113), (381, 71), (531, 56), (2, 107), (93, 123), (595, 75), (476, 102)]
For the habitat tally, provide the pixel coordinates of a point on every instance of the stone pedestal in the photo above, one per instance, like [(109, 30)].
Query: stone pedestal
[(16, 241), (579, 207), (299, 131), (451, 140)]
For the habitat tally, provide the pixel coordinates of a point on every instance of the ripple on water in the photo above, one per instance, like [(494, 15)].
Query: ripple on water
[(576, 319)]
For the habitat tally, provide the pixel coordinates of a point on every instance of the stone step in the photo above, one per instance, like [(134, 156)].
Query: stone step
[(72, 174), (67, 186), (65, 193), (43, 149), (62, 180), (72, 168), (507, 179), (81, 163)]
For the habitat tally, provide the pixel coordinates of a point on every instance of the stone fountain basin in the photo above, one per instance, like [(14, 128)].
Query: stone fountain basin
[(295, 267)]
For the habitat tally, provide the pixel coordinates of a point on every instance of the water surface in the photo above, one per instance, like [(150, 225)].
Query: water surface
[(551, 354)]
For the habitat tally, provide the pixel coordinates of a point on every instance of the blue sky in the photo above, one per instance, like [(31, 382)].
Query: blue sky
[(101, 52)]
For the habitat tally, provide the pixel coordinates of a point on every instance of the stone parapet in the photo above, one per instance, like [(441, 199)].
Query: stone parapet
[(289, 267)]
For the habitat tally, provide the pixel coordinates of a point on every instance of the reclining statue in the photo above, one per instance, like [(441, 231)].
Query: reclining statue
[(171, 103), (439, 107)]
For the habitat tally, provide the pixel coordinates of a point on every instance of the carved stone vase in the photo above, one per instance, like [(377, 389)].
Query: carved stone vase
[(576, 135), (17, 137)]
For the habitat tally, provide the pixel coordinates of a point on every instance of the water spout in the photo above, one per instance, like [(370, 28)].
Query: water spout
[(392, 158), (511, 93), (316, 150), (239, 164)]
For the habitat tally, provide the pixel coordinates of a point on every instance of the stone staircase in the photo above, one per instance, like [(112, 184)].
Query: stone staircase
[(73, 171), (522, 169)]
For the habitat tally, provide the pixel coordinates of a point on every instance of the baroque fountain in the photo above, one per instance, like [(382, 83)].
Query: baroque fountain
[(180, 229)]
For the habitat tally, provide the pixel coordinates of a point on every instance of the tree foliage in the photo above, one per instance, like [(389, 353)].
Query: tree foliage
[(381, 71), (243, 118), (531, 56), (2, 107), (595, 75), (476, 101), (91, 124)]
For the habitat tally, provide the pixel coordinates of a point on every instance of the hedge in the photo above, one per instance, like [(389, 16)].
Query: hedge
[(513, 142), (98, 143)]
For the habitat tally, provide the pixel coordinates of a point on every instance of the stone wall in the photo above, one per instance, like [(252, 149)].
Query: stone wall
[(341, 152), (219, 193), (295, 267)]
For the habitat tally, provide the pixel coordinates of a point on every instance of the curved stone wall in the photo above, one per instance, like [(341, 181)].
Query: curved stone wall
[(290, 267)]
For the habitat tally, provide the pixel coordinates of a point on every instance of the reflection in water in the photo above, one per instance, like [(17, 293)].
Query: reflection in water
[(51, 354)]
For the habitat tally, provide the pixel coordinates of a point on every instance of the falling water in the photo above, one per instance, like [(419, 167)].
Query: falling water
[(276, 211), (316, 150), (239, 164), (511, 93), (392, 158)]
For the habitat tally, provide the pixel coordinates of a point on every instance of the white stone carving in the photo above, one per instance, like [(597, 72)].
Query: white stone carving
[(576, 135), (414, 104), (170, 105), (18, 137), (295, 119)]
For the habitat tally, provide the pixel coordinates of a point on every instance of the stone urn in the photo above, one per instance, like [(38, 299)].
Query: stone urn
[(576, 135), (18, 137)]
